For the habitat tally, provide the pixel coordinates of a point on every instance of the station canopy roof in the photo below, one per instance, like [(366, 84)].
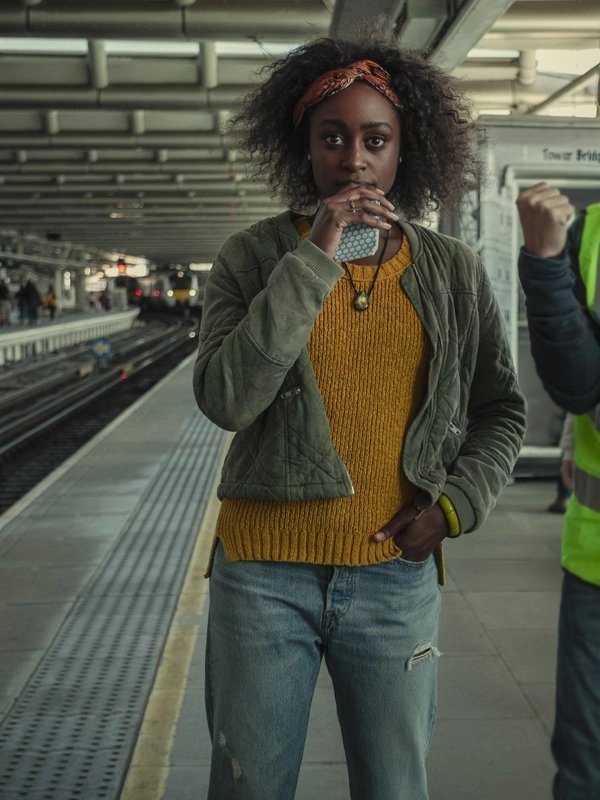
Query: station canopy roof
[(113, 113)]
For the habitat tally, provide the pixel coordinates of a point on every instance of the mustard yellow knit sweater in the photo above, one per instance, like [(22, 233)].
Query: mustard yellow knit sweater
[(371, 368)]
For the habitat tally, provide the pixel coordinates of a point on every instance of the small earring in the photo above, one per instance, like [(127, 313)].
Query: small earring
[(399, 159), (308, 157)]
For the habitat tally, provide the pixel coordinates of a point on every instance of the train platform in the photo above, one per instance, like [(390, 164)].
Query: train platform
[(103, 615), (22, 342)]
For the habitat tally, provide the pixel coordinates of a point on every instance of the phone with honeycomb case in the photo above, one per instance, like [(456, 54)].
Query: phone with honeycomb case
[(358, 241)]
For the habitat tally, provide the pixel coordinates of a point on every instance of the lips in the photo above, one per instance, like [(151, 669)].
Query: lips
[(344, 184)]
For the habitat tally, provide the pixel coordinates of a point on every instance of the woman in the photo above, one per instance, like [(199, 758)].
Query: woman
[(376, 412), (50, 301)]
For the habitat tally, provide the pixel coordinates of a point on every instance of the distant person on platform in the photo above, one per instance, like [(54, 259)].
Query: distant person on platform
[(5, 304), (50, 301), (29, 302), (558, 268)]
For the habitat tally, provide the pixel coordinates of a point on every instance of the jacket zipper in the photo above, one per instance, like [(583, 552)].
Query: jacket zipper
[(291, 393)]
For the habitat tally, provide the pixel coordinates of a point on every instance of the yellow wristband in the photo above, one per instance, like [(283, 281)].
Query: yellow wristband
[(451, 517)]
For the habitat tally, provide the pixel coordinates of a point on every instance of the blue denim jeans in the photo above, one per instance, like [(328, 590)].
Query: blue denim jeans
[(576, 737), (270, 624)]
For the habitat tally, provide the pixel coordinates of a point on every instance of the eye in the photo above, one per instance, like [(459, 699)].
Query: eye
[(376, 141), (333, 139)]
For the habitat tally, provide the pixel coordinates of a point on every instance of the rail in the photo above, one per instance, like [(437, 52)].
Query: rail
[(49, 402)]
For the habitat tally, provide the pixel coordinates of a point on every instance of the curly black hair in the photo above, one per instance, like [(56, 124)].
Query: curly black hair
[(440, 141)]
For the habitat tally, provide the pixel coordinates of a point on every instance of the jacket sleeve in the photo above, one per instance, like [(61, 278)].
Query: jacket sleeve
[(495, 424), (252, 331), (564, 339)]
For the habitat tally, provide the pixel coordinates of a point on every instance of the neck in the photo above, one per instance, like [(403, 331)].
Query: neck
[(389, 243)]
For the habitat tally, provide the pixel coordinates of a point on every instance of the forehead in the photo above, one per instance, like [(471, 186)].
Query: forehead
[(358, 104)]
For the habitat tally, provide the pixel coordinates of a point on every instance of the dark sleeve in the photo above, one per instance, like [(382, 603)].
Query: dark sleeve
[(564, 338), (573, 244)]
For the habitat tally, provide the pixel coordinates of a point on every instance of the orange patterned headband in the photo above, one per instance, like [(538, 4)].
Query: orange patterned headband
[(335, 80)]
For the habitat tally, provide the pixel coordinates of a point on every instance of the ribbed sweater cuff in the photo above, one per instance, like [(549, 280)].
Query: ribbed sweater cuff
[(462, 506), (323, 266)]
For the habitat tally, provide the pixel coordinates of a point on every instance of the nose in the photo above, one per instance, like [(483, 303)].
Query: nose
[(354, 156)]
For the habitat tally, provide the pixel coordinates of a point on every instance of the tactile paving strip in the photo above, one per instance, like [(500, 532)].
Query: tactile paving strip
[(71, 733)]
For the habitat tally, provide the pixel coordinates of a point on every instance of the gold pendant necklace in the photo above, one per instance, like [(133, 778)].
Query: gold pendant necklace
[(361, 298)]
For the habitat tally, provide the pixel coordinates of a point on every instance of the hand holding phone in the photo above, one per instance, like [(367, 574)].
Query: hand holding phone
[(339, 226)]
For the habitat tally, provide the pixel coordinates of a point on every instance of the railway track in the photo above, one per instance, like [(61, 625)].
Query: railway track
[(50, 408)]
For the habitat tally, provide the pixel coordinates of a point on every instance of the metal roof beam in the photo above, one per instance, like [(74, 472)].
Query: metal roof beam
[(551, 24), (98, 64), (186, 97), (138, 19), (208, 65), (528, 16), (565, 90), (420, 22), (349, 14), (222, 188), (101, 140), (472, 20), (192, 169), (158, 220), (480, 91), (48, 203)]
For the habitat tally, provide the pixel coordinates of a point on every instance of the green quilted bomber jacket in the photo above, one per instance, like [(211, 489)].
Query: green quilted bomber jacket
[(253, 374)]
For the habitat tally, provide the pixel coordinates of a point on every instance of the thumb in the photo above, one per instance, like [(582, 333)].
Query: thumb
[(399, 521)]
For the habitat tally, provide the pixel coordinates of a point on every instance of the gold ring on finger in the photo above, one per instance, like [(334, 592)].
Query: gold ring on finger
[(352, 205)]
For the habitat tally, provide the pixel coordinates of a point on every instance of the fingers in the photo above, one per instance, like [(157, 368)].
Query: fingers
[(416, 532), (547, 201), (357, 204), (545, 214), (365, 205), (351, 205), (397, 523)]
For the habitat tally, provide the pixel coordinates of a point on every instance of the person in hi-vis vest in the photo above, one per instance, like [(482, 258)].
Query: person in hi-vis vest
[(558, 268)]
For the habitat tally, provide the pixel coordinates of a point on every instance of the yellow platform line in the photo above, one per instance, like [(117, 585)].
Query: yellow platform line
[(150, 764)]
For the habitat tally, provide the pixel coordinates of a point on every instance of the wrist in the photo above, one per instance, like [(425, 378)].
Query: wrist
[(545, 254)]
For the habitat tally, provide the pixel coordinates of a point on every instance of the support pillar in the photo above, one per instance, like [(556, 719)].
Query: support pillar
[(81, 298)]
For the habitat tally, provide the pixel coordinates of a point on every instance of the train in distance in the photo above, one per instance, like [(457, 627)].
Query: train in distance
[(163, 290)]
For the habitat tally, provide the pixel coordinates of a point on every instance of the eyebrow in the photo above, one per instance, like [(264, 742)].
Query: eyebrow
[(364, 125)]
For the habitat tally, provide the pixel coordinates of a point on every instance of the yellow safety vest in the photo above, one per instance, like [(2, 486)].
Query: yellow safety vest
[(581, 534)]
